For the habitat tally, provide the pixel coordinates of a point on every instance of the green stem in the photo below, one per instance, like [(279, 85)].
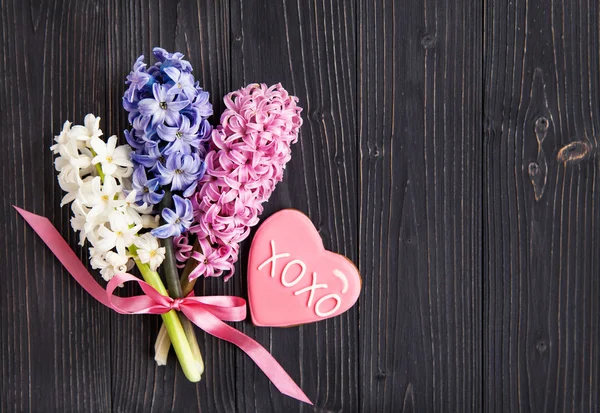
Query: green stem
[(172, 275), (186, 285), (98, 167), (171, 271), (173, 324), (190, 333), (162, 344), (169, 263)]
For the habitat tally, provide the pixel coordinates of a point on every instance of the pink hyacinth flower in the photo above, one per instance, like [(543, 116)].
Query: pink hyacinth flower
[(246, 160), (183, 249)]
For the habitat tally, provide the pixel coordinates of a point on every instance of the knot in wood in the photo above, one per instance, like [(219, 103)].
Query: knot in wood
[(428, 41), (573, 152), (541, 125)]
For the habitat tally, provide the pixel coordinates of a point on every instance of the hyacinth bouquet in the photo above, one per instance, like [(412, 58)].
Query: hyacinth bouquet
[(180, 196)]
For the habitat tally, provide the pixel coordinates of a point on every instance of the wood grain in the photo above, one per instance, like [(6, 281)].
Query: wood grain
[(419, 94), (310, 48), (541, 222), (54, 343)]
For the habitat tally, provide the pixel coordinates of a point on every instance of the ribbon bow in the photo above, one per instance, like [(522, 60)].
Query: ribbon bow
[(208, 313)]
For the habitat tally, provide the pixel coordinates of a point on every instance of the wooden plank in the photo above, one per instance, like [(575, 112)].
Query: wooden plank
[(200, 30), (419, 94), (541, 222), (54, 338), (309, 47)]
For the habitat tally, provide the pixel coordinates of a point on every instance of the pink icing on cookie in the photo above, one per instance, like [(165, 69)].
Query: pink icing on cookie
[(292, 278)]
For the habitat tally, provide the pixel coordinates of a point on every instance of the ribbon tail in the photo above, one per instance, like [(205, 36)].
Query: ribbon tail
[(263, 359), (64, 253)]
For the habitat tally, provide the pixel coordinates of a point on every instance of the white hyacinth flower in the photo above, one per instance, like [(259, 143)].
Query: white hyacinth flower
[(119, 235), (71, 157), (109, 263), (150, 221), (89, 129), (71, 187), (71, 164), (149, 251), (61, 139), (97, 260), (79, 219), (91, 233), (113, 159), (133, 211), (102, 198)]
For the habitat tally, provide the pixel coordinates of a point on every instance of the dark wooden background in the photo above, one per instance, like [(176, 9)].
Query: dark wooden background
[(450, 149)]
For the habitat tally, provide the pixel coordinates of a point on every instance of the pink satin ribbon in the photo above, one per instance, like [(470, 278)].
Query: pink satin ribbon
[(208, 313)]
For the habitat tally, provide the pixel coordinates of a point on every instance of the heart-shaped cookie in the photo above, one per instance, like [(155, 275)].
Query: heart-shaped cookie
[(292, 278)]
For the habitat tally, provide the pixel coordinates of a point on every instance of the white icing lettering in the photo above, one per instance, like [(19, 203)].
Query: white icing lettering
[(325, 298), (273, 259), (287, 283), (312, 289), (344, 279)]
